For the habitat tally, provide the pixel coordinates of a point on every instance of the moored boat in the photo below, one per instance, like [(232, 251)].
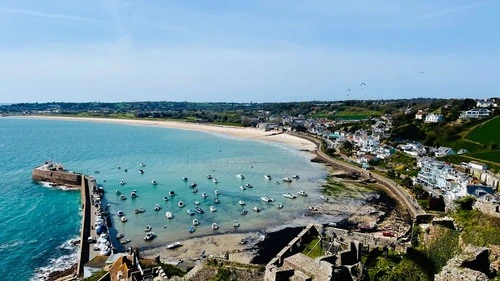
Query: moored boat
[(120, 235), (120, 213), (217, 192), (125, 241), (296, 177), (191, 229), (241, 202), (209, 176), (141, 171), (289, 195), (267, 177), (236, 224), (165, 198), (243, 212), (213, 209), (266, 199), (215, 226), (153, 182), (118, 192), (197, 202), (199, 210), (174, 245), (171, 193), (216, 201), (180, 204), (149, 236), (195, 190), (242, 187), (193, 185), (240, 176), (279, 206), (302, 192), (123, 219), (133, 194), (157, 207), (204, 195), (191, 212), (248, 185), (256, 209), (169, 215), (215, 180), (122, 182), (196, 222), (287, 179), (148, 228), (123, 197), (184, 179)]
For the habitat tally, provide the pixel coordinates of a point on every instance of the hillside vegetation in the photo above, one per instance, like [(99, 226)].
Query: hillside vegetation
[(487, 133)]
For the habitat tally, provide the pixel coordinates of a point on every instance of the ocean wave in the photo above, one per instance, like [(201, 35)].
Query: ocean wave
[(68, 257), (60, 187), (9, 245)]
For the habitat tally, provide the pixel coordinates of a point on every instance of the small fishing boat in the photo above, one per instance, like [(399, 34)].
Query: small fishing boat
[(197, 202), (157, 207), (199, 210), (180, 204), (204, 195), (241, 202), (126, 170), (267, 177), (149, 236), (141, 210), (248, 185), (289, 195), (236, 224), (171, 193), (215, 180), (123, 219), (209, 176), (133, 194), (296, 177), (125, 241), (279, 206), (240, 176), (120, 235), (184, 179), (169, 215), (141, 171), (122, 182), (165, 198), (287, 179), (243, 212), (148, 228), (142, 164), (191, 212), (174, 245), (215, 226), (302, 192), (217, 192), (195, 190), (196, 222), (324, 198), (216, 201), (242, 187), (266, 199), (277, 182), (256, 209), (118, 192), (193, 185), (120, 213), (213, 209), (191, 229), (153, 182)]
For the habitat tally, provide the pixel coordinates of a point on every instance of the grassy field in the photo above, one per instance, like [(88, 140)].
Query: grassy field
[(486, 133), (479, 229), (491, 156), (313, 249)]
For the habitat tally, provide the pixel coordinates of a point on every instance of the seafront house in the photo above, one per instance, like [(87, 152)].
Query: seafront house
[(475, 113), (438, 175), (414, 149), (486, 103), (443, 151), (433, 118)]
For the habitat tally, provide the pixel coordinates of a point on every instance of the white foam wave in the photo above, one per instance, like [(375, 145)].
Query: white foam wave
[(11, 244), (60, 187), (69, 256)]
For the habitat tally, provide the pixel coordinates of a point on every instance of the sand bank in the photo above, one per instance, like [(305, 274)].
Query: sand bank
[(238, 132)]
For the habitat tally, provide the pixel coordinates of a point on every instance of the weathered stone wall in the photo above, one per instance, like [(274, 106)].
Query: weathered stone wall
[(488, 208), (57, 177)]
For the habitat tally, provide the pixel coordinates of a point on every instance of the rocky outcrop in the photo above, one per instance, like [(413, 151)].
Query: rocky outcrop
[(472, 264)]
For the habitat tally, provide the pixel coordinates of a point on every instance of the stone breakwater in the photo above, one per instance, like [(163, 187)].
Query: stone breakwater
[(56, 175)]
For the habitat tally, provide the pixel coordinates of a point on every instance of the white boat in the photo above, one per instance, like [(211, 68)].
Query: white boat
[(157, 207), (267, 177), (287, 179), (196, 222), (122, 182), (204, 195), (279, 206), (197, 202), (216, 201), (215, 226), (142, 164), (149, 236), (240, 176), (141, 171), (213, 209), (123, 219), (193, 185), (241, 202), (180, 204), (171, 193), (120, 213), (324, 198), (184, 179), (217, 192), (174, 245), (215, 181), (289, 195), (125, 241), (302, 192), (266, 199), (123, 197), (242, 187), (243, 212), (120, 235), (248, 185), (148, 228), (209, 176), (165, 198), (236, 224), (256, 209), (105, 251), (191, 229), (169, 215), (154, 182), (296, 177), (133, 194), (191, 212)]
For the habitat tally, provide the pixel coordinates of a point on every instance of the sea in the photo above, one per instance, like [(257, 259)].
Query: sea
[(38, 221)]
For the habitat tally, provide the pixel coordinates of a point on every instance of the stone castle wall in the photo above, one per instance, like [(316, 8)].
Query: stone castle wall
[(57, 177)]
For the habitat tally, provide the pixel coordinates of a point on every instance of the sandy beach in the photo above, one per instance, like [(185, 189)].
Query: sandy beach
[(238, 132)]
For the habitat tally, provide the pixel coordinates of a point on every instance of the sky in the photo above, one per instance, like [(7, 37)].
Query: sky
[(247, 51)]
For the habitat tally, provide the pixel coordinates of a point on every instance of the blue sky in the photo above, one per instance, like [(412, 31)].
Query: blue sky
[(247, 51)]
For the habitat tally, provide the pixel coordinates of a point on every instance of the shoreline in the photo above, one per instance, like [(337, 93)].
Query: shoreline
[(248, 133)]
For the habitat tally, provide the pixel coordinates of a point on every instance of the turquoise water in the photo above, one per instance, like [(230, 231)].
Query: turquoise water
[(37, 222)]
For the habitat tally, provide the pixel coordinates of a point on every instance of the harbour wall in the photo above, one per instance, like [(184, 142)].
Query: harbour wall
[(86, 221), (57, 177)]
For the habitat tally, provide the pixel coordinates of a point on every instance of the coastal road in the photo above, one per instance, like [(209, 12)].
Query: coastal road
[(405, 200)]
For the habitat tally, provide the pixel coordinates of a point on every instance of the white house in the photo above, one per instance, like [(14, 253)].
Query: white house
[(475, 113), (443, 151), (420, 115), (486, 103), (433, 118), (478, 166)]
